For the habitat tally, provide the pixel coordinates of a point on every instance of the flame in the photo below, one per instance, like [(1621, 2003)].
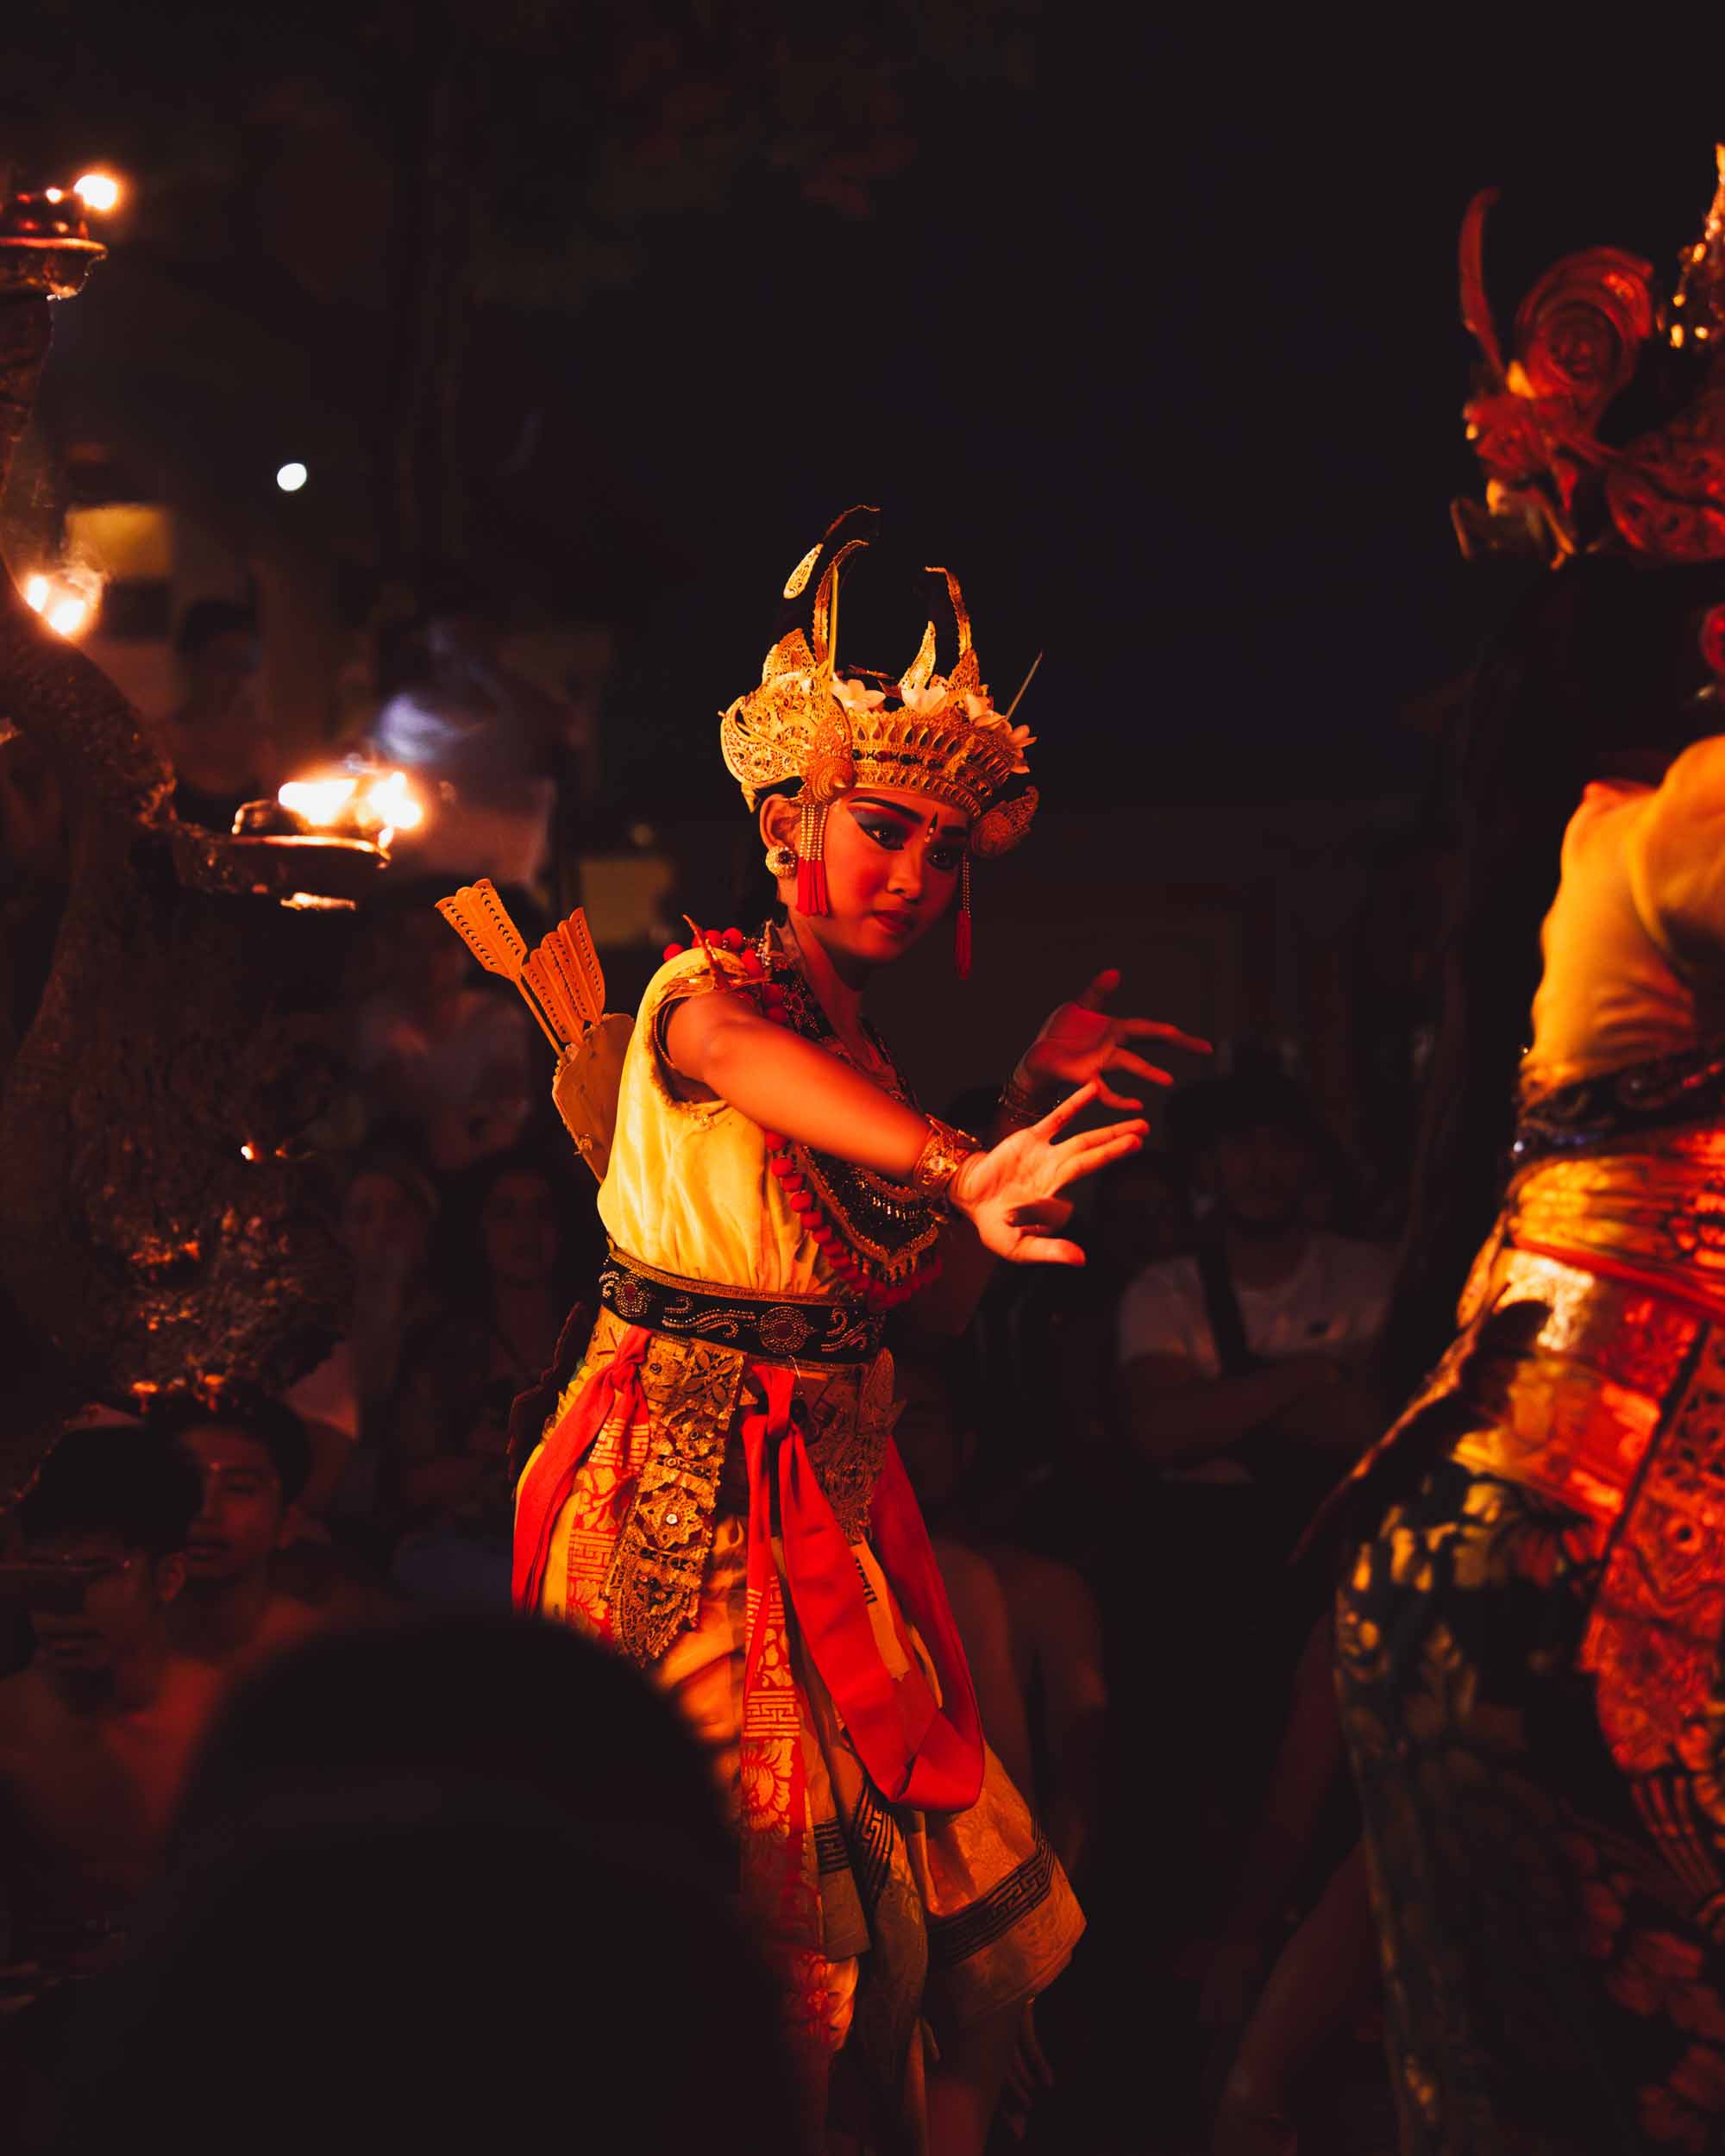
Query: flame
[(99, 191), (66, 603), (363, 801), (393, 802), (320, 801)]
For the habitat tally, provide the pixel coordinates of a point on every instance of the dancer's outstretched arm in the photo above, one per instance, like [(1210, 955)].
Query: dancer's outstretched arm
[(1010, 1194)]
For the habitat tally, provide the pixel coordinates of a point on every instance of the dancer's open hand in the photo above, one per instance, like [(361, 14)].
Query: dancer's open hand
[(1011, 1194), (1080, 1041)]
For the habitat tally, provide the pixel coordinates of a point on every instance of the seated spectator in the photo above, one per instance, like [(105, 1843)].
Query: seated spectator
[(432, 1888), (95, 1732), (1031, 1628), (1244, 1360), (251, 1461), (388, 1211), (1140, 1216), (1032, 1638), (222, 757), (519, 1241), (438, 1048), (1242, 1384)]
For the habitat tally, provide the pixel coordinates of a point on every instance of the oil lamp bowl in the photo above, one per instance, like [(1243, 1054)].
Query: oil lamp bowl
[(281, 866)]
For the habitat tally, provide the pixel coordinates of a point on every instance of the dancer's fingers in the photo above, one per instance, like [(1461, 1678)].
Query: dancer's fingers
[(1123, 1059), (1112, 1099), (1104, 1134), (1099, 989), (1076, 1165), (1043, 1249), (1074, 1104), (1153, 1029)]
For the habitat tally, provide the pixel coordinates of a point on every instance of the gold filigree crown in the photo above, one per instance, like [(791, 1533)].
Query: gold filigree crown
[(930, 733)]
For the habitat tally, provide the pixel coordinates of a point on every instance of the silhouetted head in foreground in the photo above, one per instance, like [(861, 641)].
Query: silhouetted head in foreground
[(448, 1886)]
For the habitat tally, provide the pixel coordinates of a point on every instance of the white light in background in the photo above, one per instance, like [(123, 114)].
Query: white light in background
[(67, 611), (392, 801), (290, 478), (361, 802), (318, 800), (99, 191)]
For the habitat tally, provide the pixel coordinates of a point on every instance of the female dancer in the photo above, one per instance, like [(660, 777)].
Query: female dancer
[(1530, 1643), (717, 1493)]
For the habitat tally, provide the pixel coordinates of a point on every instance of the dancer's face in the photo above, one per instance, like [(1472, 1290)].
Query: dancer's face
[(893, 862)]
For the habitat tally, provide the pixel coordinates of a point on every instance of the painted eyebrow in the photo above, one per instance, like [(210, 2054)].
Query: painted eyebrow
[(907, 817)]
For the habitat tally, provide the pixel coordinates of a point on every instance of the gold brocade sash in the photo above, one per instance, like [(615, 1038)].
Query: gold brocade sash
[(1656, 1214), (693, 1390), (1563, 1379)]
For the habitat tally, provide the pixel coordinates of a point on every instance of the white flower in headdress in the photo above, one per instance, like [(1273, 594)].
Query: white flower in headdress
[(856, 698), (926, 702), (981, 712)]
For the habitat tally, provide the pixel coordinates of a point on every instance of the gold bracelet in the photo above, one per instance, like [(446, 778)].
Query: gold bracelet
[(941, 1158), (1018, 1102)]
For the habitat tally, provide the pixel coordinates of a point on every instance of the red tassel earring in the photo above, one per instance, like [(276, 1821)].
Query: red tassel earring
[(811, 892), (961, 931)]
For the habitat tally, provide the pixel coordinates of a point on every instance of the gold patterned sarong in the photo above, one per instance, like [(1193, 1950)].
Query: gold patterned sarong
[(882, 1920)]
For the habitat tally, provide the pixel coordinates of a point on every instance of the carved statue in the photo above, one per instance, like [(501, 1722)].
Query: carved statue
[(160, 1221)]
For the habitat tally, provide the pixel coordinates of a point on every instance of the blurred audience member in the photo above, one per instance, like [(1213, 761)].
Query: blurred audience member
[(222, 755), (252, 1464), (388, 1211), (492, 743), (1030, 1625), (1243, 1361), (1292, 2083), (96, 1732), (519, 1242), (372, 1875), (437, 1048), (1241, 1369), (1141, 1217)]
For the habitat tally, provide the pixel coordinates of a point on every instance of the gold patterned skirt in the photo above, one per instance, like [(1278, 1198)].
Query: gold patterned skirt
[(1529, 1673), (893, 1928)]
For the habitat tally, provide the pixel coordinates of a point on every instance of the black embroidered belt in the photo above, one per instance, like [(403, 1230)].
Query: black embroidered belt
[(800, 1329), (1615, 1108)]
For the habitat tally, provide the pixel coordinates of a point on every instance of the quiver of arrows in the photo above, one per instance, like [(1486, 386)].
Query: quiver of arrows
[(561, 982)]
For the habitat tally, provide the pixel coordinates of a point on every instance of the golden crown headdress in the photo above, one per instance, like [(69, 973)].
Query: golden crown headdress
[(1555, 486), (934, 734)]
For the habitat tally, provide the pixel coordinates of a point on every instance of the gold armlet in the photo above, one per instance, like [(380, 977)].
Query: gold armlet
[(942, 1156)]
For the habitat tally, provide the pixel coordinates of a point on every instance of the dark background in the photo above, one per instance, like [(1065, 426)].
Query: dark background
[(1149, 328)]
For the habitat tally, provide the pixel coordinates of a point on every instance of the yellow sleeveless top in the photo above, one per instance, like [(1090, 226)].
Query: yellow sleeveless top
[(688, 1190), (1634, 942)]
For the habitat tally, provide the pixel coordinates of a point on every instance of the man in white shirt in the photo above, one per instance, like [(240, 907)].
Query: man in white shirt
[(1243, 1394), (1243, 1363)]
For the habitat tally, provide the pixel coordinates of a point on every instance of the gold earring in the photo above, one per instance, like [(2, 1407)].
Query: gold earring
[(781, 862)]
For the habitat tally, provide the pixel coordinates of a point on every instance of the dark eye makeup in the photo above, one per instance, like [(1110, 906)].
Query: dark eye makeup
[(888, 832)]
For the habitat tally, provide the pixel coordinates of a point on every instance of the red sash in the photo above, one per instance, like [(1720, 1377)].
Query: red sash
[(546, 1485), (916, 1750)]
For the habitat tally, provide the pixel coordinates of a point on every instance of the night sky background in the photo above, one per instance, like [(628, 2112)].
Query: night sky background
[(1151, 331)]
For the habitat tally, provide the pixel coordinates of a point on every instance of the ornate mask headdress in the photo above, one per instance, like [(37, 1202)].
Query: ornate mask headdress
[(931, 733), (1553, 486)]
